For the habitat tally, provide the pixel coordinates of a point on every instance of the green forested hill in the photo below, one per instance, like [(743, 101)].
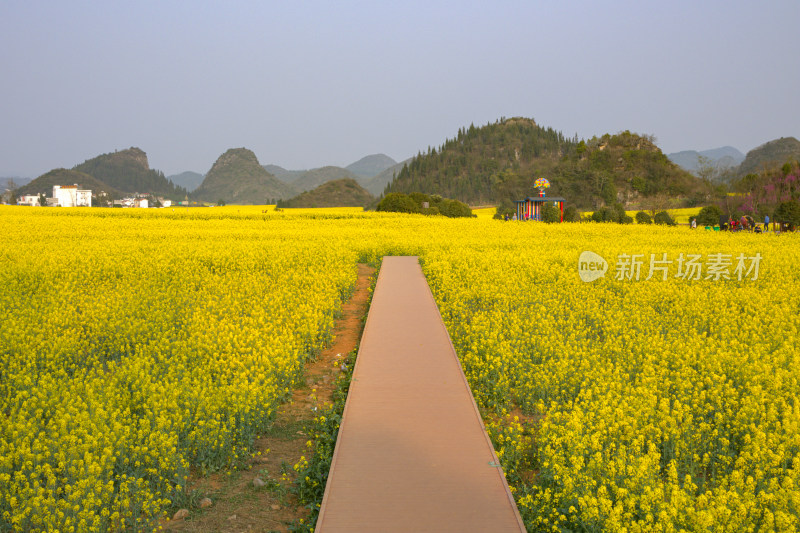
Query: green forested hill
[(237, 178), (469, 167), (499, 162), (129, 172), (770, 156), (338, 193), (62, 176), (625, 168)]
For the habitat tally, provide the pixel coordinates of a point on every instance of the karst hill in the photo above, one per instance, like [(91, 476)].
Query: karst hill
[(237, 178), (500, 161)]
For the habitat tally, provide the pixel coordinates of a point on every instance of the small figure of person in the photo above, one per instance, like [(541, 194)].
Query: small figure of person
[(766, 222), (514, 217), (694, 223)]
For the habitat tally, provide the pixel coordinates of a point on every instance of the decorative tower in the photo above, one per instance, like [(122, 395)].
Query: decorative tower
[(541, 184)]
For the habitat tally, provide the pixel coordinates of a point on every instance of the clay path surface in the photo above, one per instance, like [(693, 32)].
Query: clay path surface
[(412, 453)]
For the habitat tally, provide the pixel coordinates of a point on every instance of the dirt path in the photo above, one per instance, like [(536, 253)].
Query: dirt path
[(237, 504)]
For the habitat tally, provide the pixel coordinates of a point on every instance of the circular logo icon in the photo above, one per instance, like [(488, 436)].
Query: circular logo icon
[(591, 266)]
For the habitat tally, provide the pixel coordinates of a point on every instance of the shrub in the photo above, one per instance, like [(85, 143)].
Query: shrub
[(615, 213), (571, 214), (396, 202), (664, 218), (709, 215), (550, 213), (412, 203), (620, 213), (643, 218), (420, 198), (788, 212), (605, 214), (454, 208)]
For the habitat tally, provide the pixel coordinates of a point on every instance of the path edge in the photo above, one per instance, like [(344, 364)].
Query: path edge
[(512, 502), (324, 504)]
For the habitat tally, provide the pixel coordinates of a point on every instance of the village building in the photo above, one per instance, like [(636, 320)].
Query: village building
[(132, 201), (70, 196), (28, 199)]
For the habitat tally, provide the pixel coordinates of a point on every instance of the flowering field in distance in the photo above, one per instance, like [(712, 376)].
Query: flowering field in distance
[(137, 343)]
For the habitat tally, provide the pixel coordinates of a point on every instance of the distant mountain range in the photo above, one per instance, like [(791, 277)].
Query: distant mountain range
[(235, 179), (188, 180), (286, 176), (725, 157), (313, 178), (491, 164), (376, 184), (372, 172), (730, 164), (371, 165)]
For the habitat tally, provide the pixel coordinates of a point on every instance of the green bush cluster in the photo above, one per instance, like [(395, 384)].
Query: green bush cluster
[(550, 213), (396, 202), (789, 213), (663, 218), (615, 213), (709, 216)]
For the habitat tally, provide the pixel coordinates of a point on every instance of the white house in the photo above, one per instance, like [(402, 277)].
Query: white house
[(28, 199), (71, 196)]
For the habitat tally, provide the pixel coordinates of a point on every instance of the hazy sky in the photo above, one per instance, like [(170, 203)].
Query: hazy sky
[(305, 83)]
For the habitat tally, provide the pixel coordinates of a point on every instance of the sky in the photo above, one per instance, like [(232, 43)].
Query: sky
[(311, 83)]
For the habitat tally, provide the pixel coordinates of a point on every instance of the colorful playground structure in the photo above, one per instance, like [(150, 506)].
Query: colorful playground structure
[(531, 207)]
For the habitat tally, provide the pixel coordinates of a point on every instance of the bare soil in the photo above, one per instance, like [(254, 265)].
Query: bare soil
[(236, 504)]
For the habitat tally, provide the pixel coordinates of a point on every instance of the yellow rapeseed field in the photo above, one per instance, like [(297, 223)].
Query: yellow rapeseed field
[(641, 405), (661, 396)]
